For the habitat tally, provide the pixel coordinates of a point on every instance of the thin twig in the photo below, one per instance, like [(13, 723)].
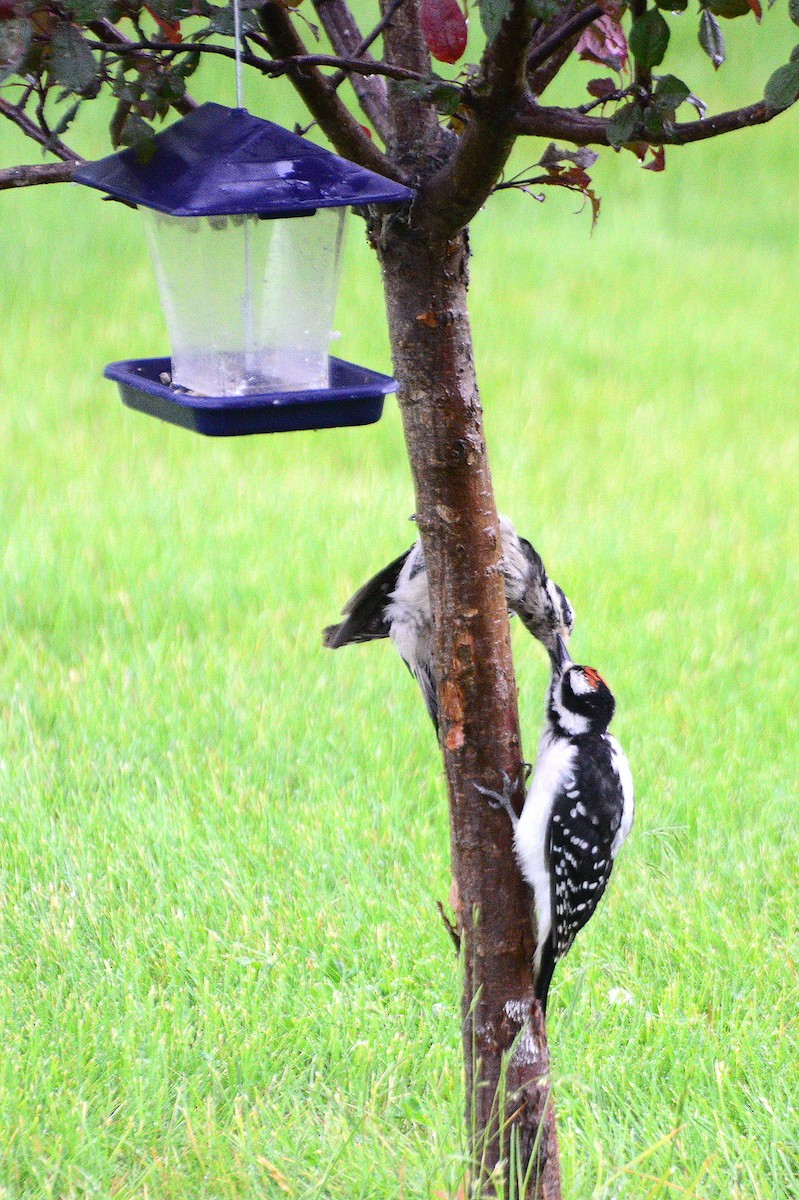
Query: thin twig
[(42, 136), (518, 182), (268, 66), (345, 37), (334, 118), (369, 40), (450, 928), (576, 24), (616, 97), (107, 33)]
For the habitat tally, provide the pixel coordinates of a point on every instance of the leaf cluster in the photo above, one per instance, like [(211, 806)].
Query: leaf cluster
[(56, 55)]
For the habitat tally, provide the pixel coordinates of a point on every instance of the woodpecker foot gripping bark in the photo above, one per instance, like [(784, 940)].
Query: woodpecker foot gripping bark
[(503, 799)]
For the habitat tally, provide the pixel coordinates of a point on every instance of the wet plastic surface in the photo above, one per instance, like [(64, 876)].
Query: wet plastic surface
[(220, 160), (355, 397)]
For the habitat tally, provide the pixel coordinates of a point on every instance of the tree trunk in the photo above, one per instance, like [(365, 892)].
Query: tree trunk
[(510, 1115)]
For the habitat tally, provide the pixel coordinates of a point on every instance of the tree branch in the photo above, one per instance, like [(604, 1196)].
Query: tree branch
[(555, 46), (566, 124), (108, 33), (41, 136), (334, 118), (384, 21), (552, 41), (347, 41), (272, 67), (414, 131), (461, 187), (38, 173), (145, 46)]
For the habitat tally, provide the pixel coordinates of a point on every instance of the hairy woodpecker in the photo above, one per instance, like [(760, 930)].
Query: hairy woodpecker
[(395, 603), (577, 813)]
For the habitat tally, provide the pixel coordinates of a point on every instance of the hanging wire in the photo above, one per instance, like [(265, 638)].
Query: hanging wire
[(237, 41), (250, 364)]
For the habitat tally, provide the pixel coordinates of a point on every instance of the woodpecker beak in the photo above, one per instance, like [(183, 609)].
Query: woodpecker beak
[(560, 655)]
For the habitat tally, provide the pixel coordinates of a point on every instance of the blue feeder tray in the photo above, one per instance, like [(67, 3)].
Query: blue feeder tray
[(355, 397)]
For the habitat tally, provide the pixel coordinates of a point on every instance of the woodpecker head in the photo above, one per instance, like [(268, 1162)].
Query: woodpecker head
[(539, 602), (580, 701), (558, 618)]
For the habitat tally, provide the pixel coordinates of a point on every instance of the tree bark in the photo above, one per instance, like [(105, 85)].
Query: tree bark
[(506, 1056)]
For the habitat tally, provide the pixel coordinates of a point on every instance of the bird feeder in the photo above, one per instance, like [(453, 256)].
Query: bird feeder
[(245, 224)]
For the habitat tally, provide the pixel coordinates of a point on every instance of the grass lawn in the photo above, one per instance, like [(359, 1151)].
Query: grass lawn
[(222, 973)]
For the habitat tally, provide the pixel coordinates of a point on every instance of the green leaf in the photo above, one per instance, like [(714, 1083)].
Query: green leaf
[(16, 36), (649, 39), (711, 39), (656, 121), (72, 63), (492, 14), (545, 10), (677, 6), (127, 90), (136, 132), (782, 89), (187, 66), (625, 125), (222, 20), (84, 11), (171, 87), (444, 95), (793, 9), (671, 92), (67, 119)]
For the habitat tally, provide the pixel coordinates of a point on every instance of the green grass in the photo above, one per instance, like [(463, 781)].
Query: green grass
[(222, 974)]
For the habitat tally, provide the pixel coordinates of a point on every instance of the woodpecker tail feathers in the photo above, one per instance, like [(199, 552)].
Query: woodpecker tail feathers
[(545, 972)]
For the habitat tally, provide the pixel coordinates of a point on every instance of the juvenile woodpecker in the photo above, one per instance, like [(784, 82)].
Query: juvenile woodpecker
[(577, 813), (395, 603)]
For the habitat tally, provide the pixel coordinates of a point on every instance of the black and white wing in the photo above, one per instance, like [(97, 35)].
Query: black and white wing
[(365, 613), (582, 842)]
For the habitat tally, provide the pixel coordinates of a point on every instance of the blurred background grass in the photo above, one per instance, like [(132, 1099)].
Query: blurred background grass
[(221, 969)]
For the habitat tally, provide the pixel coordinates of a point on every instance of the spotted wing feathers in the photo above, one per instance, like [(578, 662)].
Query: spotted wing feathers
[(583, 826)]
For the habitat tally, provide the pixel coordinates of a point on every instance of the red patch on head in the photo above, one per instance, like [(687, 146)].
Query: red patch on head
[(593, 677)]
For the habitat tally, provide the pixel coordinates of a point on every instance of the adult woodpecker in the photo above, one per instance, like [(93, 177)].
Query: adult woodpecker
[(577, 813), (395, 603)]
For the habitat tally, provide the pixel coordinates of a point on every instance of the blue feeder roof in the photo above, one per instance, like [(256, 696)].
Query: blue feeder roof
[(221, 161)]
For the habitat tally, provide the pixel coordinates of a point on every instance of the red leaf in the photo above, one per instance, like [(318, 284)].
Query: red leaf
[(756, 9), (367, 131), (658, 162), (601, 89), (170, 29), (604, 42), (444, 28), (576, 177)]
